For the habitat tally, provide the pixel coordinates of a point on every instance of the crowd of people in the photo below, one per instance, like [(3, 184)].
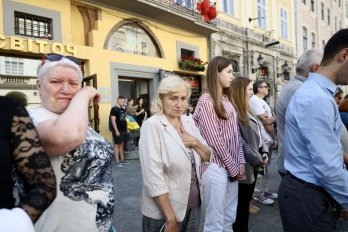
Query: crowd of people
[(201, 165)]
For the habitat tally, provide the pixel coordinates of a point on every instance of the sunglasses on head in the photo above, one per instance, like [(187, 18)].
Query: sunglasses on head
[(57, 57)]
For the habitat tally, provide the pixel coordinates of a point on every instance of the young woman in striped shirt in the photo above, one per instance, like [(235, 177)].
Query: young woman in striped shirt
[(216, 118)]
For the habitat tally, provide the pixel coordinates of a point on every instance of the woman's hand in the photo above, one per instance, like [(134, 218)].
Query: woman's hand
[(241, 172), (264, 158), (91, 93), (189, 140), (192, 142)]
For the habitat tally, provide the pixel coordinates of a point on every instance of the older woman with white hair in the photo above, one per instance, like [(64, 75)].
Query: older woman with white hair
[(171, 150), (80, 157)]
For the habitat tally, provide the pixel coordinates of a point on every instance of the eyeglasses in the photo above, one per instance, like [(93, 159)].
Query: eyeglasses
[(264, 86), (57, 57)]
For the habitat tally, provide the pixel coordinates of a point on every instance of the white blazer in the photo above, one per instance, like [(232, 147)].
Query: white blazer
[(166, 164)]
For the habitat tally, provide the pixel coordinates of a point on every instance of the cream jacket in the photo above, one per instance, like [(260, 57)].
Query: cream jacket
[(166, 165)]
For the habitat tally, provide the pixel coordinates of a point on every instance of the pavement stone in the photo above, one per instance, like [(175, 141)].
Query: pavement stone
[(127, 216)]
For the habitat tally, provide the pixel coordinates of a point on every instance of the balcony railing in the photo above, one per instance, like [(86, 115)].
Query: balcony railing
[(179, 13), (182, 6)]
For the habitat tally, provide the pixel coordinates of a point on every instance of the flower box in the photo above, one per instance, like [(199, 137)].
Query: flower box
[(192, 64)]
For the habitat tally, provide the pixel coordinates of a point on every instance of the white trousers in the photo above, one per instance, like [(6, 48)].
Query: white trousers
[(220, 197)]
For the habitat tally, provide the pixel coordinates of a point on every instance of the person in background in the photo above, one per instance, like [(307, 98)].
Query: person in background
[(255, 149), (131, 108), (217, 121), (80, 157), (23, 154), (141, 114), (316, 179), (264, 113), (308, 62), (171, 150), (189, 111), (119, 130), (19, 96), (343, 108), (339, 95)]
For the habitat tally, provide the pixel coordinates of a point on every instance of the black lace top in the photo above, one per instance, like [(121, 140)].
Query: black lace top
[(23, 158)]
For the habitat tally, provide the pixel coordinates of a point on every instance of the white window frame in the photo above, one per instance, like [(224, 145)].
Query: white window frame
[(14, 66), (284, 23), (261, 14), (305, 38), (314, 40), (228, 7), (189, 4)]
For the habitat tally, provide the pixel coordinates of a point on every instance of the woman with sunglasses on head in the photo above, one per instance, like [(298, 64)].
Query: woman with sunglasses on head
[(216, 119), (81, 158), (255, 149)]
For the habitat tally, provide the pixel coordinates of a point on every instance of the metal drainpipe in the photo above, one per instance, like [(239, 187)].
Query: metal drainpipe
[(246, 67), (211, 45)]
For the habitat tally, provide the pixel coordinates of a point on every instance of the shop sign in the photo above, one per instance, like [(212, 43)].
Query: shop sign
[(35, 45)]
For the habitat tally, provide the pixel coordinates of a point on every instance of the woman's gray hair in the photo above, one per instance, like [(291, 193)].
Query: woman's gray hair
[(43, 69), (169, 84), (307, 60)]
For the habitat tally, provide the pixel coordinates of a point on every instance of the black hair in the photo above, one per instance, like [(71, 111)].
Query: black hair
[(256, 85), (335, 44)]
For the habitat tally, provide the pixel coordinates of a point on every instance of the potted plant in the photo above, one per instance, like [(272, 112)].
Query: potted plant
[(192, 63)]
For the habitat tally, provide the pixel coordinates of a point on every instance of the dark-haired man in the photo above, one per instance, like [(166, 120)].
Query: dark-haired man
[(118, 127), (316, 177), (264, 113)]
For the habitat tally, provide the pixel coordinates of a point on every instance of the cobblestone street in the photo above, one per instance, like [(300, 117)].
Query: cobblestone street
[(127, 216)]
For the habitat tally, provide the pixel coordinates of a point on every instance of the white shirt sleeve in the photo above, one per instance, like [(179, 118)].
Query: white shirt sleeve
[(256, 106), (15, 219)]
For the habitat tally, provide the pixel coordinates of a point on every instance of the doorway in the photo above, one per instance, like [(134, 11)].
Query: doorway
[(134, 88)]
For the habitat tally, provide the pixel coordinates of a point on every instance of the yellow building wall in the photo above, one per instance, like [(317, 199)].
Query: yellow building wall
[(248, 9), (97, 59), (77, 27), (100, 58), (63, 7), (237, 18), (1, 19)]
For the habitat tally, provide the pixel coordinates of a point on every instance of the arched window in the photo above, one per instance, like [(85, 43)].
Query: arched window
[(131, 37)]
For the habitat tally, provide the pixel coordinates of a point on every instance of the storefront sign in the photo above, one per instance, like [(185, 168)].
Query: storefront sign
[(35, 45)]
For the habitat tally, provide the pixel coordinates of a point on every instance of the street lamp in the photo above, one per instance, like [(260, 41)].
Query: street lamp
[(285, 71), (260, 60)]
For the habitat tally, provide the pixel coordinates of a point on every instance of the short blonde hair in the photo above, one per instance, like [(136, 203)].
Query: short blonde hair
[(169, 84)]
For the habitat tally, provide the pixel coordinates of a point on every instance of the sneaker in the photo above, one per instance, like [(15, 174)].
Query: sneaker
[(118, 164), (256, 190), (271, 195), (124, 162), (253, 209), (264, 200)]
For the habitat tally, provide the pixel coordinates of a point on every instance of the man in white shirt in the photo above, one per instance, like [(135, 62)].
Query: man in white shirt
[(264, 113)]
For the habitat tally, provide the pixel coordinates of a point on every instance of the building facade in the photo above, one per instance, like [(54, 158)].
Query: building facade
[(126, 46), (259, 38), (317, 21)]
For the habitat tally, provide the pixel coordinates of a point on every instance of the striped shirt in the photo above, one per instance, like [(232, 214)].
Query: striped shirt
[(222, 136)]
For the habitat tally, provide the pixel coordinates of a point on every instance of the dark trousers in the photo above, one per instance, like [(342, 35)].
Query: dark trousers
[(304, 207), (245, 192)]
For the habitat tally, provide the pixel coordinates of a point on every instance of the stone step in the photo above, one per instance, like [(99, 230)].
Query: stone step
[(131, 155)]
